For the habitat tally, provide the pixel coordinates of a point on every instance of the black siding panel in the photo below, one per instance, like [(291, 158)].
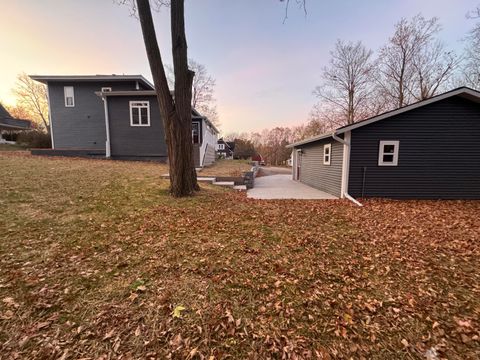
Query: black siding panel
[(439, 154)]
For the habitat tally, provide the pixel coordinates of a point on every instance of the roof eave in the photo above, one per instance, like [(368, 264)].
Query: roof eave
[(310, 140)]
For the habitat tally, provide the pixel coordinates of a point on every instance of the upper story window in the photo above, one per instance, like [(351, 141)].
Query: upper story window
[(388, 153), (327, 154), (196, 132), (221, 146), (139, 113), (106, 89), (69, 96)]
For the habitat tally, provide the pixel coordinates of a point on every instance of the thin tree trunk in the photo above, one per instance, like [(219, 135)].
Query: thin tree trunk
[(176, 113)]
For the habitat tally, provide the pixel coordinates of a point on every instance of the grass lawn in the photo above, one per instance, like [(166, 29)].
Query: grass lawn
[(226, 168), (11, 147), (98, 262)]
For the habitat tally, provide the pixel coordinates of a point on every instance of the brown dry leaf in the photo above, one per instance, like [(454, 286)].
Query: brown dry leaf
[(109, 334)]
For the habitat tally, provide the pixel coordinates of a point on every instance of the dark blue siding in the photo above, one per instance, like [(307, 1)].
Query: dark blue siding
[(135, 142), (439, 154), (314, 173), (81, 126)]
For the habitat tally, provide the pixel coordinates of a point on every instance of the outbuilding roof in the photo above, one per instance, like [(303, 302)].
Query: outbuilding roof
[(464, 92)]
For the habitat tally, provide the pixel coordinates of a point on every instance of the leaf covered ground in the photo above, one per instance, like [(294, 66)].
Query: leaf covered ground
[(224, 167), (98, 262)]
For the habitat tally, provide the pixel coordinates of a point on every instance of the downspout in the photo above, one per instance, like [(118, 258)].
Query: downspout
[(345, 166), (50, 117), (108, 150)]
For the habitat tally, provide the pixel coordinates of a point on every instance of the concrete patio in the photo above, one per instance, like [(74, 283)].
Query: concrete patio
[(281, 186)]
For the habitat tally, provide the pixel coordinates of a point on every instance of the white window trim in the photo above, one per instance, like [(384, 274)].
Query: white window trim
[(221, 146), (381, 153), (199, 133), (325, 147), (106, 89), (144, 104), (65, 96)]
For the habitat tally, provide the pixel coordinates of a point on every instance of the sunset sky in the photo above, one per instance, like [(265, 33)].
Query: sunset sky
[(265, 69)]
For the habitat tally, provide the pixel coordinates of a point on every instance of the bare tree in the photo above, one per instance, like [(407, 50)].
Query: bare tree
[(471, 70), (302, 4), (397, 57), (203, 89), (348, 82), (32, 99), (176, 111), (433, 67)]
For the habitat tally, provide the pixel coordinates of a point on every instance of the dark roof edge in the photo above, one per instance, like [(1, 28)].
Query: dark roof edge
[(464, 90), (46, 78)]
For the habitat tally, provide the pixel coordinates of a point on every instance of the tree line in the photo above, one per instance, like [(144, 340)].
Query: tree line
[(358, 83)]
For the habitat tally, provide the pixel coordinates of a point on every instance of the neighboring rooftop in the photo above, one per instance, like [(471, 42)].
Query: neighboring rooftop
[(99, 77), (7, 122)]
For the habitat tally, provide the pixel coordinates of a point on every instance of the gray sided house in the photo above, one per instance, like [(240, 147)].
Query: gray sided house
[(427, 150), (115, 116), (135, 129), (77, 117)]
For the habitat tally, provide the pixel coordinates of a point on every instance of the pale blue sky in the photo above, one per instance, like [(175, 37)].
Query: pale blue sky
[(265, 70)]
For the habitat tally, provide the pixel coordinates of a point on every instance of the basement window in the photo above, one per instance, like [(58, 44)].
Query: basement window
[(327, 154), (139, 113), (69, 96), (106, 89), (388, 153)]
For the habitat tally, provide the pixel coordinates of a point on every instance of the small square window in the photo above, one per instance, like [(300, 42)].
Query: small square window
[(388, 153), (139, 113), (327, 154), (106, 89)]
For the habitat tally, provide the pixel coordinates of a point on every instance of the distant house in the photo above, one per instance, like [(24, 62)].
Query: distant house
[(427, 150), (115, 116), (225, 149), (10, 124), (259, 158)]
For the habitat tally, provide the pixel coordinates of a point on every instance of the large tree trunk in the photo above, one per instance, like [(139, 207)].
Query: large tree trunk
[(176, 113)]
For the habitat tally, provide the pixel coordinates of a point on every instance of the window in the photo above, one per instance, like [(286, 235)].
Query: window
[(221, 146), (327, 154), (139, 113), (69, 96), (106, 89), (388, 153), (196, 132)]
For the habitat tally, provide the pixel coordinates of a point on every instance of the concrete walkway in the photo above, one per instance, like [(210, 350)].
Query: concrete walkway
[(283, 187)]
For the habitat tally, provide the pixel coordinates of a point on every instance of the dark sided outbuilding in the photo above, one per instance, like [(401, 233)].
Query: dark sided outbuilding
[(427, 150)]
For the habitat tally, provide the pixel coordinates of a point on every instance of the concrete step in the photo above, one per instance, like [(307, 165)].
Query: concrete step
[(205, 178), (224, 183), (240, 187)]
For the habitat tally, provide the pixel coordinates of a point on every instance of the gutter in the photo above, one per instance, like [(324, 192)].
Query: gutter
[(346, 165)]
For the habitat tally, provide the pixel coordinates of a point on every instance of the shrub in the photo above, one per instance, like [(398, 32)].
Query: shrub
[(35, 139)]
